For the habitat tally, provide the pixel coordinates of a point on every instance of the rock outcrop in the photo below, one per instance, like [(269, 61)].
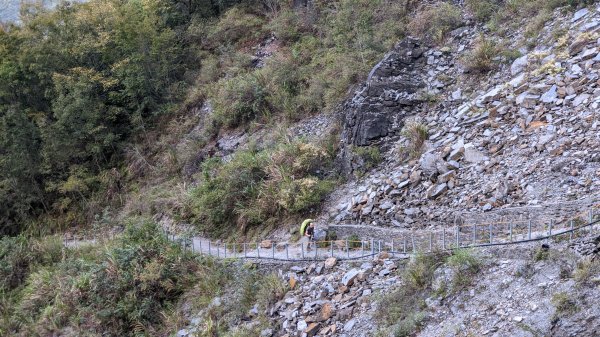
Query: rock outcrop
[(390, 93)]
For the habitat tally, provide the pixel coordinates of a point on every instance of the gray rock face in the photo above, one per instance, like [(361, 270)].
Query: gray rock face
[(391, 86), (550, 95), (378, 109), (429, 163)]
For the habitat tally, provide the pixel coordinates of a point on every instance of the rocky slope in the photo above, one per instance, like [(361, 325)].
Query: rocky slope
[(530, 290), (524, 135), (520, 142)]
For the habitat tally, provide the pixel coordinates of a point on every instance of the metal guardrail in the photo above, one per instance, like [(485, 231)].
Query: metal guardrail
[(469, 236), (412, 242)]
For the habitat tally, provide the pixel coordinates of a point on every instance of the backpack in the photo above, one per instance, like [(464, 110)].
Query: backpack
[(304, 226)]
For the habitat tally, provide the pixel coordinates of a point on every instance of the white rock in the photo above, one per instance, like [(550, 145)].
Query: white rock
[(473, 155), (518, 65), (579, 14), (349, 325), (550, 95), (517, 81), (301, 326)]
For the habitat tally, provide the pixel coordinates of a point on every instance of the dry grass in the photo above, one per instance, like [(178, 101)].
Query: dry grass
[(481, 58), (416, 134), (434, 22)]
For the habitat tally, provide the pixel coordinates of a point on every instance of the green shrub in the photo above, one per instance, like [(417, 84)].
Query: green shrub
[(270, 290), (321, 52), (564, 304), (419, 272), (239, 100), (403, 309), (541, 254), (236, 26), (482, 10), (409, 325), (585, 271), (369, 155), (118, 290), (20, 255), (435, 22), (354, 241), (465, 265), (290, 25), (260, 187)]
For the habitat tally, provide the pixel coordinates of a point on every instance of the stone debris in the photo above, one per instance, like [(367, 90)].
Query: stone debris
[(527, 136)]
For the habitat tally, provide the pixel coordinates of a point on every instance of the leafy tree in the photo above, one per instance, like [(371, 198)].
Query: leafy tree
[(20, 190)]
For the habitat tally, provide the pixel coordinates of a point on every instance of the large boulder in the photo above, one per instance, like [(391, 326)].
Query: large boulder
[(348, 278)]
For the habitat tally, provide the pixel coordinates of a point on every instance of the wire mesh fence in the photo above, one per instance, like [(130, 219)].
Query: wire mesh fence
[(409, 243)]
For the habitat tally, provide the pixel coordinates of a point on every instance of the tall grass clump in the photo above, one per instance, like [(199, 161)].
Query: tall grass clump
[(239, 100), (481, 58), (403, 311), (465, 265), (20, 255), (482, 10), (119, 290), (260, 187), (434, 22), (415, 134)]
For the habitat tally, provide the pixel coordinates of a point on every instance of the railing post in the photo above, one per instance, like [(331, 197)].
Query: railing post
[(372, 246), (225, 251), (245, 252), (444, 238), (550, 227), (362, 248), (474, 234), (572, 223), (302, 249), (257, 250), (379, 243), (510, 230), (457, 237), (412, 238), (491, 233), (316, 250), (218, 249), (331, 248), (529, 230), (287, 253), (209, 253), (272, 250), (200, 245), (430, 241), (347, 249)]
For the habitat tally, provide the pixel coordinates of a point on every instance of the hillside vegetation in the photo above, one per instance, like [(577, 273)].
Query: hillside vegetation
[(113, 113), (91, 93)]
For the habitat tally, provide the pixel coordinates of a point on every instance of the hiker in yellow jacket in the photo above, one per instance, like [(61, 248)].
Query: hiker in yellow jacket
[(307, 229)]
